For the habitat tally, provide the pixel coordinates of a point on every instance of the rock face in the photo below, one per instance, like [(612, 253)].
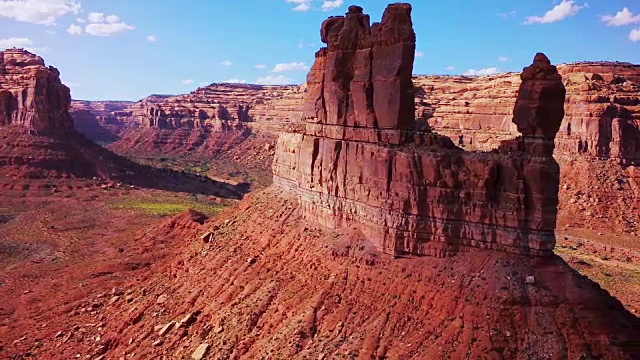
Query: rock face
[(210, 105), (602, 110), (219, 118), (539, 109), (31, 94), (357, 163), (101, 121), (363, 77)]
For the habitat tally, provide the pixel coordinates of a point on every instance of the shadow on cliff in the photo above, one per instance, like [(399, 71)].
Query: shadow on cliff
[(617, 121), (554, 274), (117, 168), (73, 155), (96, 133)]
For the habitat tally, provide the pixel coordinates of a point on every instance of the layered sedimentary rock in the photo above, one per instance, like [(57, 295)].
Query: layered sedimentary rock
[(357, 161), (101, 121), (100, 107), (203, 143), (31, 94), (202, 124), (347, 87), (602, 109), (208, 105)]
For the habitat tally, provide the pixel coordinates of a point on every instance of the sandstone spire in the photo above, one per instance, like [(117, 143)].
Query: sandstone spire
[(539, 109), (363, 77)]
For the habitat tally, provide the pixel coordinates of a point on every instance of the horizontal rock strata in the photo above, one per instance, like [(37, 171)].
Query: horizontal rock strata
[(31, 94), (602, 109), (356, 159)]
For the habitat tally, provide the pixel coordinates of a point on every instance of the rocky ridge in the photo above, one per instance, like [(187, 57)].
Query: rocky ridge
[(356, 161), (199, 125)]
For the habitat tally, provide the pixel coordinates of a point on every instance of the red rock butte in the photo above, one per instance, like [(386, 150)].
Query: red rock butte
[(31, 94), (356, 160)]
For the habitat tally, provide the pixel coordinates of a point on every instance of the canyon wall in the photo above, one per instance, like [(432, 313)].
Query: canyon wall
[(102, 121), (235, 120), (205, 107), (226, 102), (356, 160), (31, 94), (602, 109)]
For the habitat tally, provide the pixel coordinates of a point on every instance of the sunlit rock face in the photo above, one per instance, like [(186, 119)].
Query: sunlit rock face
[(602, 109), (31, 94), (358, 158)]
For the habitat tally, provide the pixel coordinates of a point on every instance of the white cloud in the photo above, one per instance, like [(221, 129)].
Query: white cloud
[(15, 42), (152, 38), (623, 17), (294, 66), (24, 43), (74, 29), (419, 54), (507, 14), (302, 44), (81, 20), (274, 80), (235, 81), (95, 17), (450, 68), (634, 35), (261, 66), (108, 29), (43, 12), (112, 19), (481, 72), (330, 5), (187, 82), (51, 32), (101, 25), (565, 9), (301, 5), (503, 59), (226, 63)]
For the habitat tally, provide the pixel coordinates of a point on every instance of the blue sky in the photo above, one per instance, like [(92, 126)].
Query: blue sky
[(128, 49)]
